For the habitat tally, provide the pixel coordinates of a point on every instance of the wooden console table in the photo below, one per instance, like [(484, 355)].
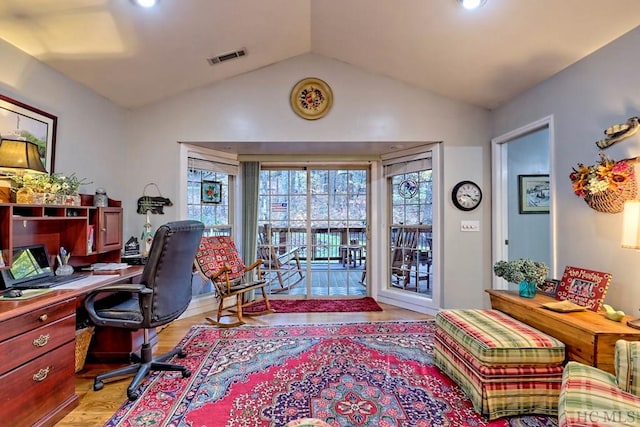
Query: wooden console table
[(589, 337)]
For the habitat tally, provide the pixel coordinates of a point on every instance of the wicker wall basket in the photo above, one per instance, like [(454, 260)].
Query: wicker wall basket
[(610, 201)]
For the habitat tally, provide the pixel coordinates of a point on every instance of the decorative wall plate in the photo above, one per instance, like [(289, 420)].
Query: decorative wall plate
[(311, 98)]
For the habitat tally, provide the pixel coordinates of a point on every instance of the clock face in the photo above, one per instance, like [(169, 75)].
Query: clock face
[(466, 195)]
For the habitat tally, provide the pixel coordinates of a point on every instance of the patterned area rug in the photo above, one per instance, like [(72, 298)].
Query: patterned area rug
[(318, 305), (348, 375)]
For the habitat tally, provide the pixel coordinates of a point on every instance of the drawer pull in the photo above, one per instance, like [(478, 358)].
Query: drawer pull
[(43, 318), (42, 374), (41, 341)]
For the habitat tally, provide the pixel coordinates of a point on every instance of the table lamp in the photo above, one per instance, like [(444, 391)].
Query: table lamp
[(631, 235), (16, 157)]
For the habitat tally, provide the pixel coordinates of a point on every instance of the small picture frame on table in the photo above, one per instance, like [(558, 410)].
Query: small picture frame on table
[(549, 287), (583, 287), (211, 192)]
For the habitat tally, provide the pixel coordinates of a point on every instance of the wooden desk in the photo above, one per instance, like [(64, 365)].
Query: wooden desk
[(588, 336), (37, 353)]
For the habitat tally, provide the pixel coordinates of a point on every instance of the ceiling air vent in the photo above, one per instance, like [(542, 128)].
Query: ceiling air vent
[(226, 57)]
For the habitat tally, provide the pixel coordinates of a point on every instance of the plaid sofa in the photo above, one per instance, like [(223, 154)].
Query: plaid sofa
[(504, 366), (592, 397)]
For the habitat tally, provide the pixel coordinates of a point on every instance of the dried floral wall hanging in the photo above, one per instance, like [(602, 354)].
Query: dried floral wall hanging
[(605, 185)]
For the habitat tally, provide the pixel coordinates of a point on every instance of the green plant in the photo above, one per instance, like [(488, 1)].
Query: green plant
[(521, 269)]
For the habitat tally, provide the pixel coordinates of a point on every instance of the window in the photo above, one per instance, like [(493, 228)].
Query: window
[(214, 210)]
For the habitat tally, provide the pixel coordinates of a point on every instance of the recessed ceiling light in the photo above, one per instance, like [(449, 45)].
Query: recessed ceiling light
[(145, 3), (472, 4)]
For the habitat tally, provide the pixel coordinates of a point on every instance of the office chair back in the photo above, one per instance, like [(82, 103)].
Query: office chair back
[(168, 271)]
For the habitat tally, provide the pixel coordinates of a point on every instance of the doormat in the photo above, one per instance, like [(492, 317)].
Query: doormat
[(317, 305), (364, 374)]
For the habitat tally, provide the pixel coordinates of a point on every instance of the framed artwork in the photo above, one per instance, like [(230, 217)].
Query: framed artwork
[(533, 194), (583, 287), (549, 287), (211, 192), (20, 121)]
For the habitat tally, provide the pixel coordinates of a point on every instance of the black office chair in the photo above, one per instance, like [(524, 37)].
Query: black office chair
[(163, 294)]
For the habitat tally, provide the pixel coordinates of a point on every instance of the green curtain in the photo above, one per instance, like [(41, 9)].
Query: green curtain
[(250, 181)]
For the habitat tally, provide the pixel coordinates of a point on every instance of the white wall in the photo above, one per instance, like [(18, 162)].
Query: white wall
[(255, 107), (91, 130), (586, 98), (125, 150)]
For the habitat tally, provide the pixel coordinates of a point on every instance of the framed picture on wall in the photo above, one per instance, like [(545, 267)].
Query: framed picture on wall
[(23, 122), (533, 194)]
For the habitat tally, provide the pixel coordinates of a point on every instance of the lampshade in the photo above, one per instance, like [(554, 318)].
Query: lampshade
[(17, 154), (631, 224)]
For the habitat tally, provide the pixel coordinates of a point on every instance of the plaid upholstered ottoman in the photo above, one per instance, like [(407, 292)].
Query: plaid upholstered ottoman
[(504, 366)]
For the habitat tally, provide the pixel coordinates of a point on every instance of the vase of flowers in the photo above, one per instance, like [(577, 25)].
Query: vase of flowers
[(525, 272), (605, 185)]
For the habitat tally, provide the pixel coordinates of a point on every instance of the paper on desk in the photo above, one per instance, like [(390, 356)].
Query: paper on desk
[(89, 280), (108, 266)]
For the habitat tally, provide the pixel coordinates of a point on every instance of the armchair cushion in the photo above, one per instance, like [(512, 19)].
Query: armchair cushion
[(627, 365)]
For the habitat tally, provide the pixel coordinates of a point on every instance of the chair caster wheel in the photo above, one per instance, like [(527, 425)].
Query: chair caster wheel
[(133, 395), (98, 385), (181, 354), (186, 373)]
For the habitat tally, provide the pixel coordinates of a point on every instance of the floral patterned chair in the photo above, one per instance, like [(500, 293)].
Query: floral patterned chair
[(218, 259)]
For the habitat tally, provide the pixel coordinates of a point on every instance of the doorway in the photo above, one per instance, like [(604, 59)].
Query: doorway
[(313, 227), (517, 232)]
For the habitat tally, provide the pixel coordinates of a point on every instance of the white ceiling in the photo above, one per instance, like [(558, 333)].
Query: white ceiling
[(135, 56)]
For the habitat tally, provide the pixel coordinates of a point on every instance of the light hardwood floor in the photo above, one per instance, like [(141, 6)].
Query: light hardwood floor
[(97, 407)]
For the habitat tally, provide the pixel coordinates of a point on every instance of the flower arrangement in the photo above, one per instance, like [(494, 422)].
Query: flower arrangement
[(54, 183), (47, 189), (607, 174), (522, 269)]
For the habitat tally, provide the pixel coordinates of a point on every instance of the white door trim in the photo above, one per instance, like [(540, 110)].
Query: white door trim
[(500, 221)]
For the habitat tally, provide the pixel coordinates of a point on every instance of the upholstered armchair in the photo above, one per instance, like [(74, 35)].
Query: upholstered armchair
[(592, 397)]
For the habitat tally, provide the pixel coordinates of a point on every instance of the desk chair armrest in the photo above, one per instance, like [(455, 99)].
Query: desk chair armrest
[(125, 289)]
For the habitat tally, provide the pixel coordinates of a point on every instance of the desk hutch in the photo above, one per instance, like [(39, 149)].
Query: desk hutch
[(37, 335)]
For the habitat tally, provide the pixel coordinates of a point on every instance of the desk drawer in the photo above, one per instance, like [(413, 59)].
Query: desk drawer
[(31, 344), (37, 388), (34, 319)]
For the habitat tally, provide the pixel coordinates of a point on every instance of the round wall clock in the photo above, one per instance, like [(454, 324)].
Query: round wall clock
[(466, 195), (311, 98)]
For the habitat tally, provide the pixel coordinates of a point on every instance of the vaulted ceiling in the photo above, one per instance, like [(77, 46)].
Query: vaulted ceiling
[(136, 56)]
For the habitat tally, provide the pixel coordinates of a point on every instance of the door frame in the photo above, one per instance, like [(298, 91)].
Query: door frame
[(499, 204)]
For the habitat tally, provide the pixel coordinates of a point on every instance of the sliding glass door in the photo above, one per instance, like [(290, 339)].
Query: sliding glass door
[(313, 230)]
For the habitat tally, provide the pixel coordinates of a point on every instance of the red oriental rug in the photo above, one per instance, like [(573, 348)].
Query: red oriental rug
[(318, 305), (358, 374)]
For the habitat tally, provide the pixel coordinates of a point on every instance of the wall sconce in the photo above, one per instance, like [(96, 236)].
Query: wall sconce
[(16, 157), (631, 235)]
